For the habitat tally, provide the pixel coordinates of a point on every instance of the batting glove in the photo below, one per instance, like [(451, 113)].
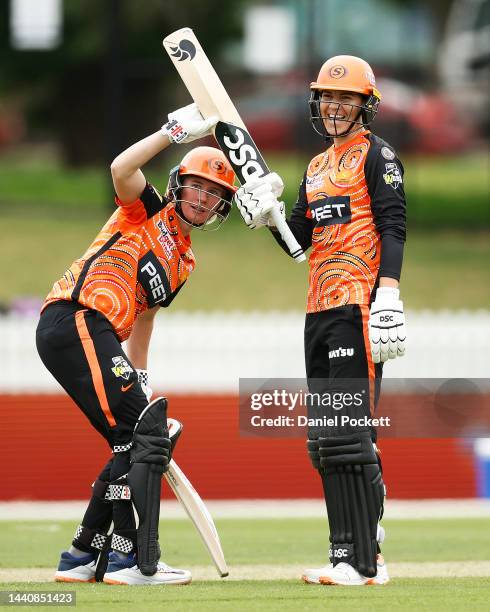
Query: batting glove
[(143, 381), (387, 325), (258, 197), (187, 124)]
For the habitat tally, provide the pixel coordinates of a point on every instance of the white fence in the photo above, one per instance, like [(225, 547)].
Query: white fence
[(209, 352)]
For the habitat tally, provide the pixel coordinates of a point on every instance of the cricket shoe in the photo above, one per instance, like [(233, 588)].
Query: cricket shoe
[(125, 571), (76, 569), (312, 575), (345, 574)]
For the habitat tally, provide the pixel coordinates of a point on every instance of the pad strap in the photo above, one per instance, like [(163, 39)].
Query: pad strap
[(118, 492), (111, 491), (122, 448), (123, 543), (89, 537)]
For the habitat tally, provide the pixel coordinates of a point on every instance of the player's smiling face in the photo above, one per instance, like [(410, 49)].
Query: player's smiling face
[(338, 109), (199, 198)]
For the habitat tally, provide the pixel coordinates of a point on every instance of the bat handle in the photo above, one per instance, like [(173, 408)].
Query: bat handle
[(287, 235)]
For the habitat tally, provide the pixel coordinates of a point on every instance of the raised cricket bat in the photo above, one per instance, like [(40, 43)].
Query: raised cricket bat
[(230, 132), (195, 507)]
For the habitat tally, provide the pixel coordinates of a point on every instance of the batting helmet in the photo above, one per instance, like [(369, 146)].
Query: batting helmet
[(345, 73), (208, 163)]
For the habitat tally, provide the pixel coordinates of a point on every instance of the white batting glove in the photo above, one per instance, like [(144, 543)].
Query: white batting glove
[(257, 198), (187, 124), (143, 381), (387, 325)]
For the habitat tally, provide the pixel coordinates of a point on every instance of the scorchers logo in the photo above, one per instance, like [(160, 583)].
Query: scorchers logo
[(121, 368), (393, 175), (338, 71), (241, 151), (217, 165)]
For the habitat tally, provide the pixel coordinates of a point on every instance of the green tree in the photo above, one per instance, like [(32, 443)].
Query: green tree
[(109, 81)]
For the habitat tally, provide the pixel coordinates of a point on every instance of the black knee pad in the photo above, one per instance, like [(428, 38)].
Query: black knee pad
[(151, 444), (354, 491), (353, 449)]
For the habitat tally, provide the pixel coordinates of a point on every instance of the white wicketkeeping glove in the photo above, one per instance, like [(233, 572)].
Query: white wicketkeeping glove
[(187, 124), (258, 197), (387, 325), (143, 381)]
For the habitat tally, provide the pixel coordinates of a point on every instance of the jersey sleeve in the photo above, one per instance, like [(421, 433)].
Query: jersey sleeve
[(166, 303), (300, 224), (148, 204), (384, 176)]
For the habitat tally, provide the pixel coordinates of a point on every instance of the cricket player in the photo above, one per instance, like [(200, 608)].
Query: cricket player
[(351, 212), (139, 261)]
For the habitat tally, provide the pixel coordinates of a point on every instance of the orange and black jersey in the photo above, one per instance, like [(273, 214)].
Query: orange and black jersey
[(139, 259), (351, 212)]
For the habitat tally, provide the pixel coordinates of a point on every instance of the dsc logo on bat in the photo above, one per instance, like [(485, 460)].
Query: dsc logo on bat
[(242, 155)]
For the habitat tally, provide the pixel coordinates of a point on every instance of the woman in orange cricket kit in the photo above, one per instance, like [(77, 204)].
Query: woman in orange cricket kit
[(351, 213), (138, 262)]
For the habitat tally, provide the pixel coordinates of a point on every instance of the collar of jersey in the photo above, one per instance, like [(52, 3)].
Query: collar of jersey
[(349, 142)]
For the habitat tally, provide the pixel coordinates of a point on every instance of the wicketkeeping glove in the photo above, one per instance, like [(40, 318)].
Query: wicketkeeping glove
[(258, 197), (187, 124), (143, 381), (387, 325)]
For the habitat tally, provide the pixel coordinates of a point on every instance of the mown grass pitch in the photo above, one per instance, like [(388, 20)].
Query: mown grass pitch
[(263, 547), (424, 594)]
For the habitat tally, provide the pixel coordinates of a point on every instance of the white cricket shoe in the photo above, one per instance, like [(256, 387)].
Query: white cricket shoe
[(313, 575), (345, 574), (125, 571), (76, 569)]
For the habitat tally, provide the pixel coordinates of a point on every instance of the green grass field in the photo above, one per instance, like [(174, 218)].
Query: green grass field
[(429, 595), (264, 547), (238, 269)]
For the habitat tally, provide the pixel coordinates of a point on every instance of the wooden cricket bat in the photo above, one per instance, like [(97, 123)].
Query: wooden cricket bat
[(198, 513), (230, 132), (194, 506)]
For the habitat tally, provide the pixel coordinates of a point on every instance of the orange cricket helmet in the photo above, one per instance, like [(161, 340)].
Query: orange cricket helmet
[(345, 73), (209, 163)]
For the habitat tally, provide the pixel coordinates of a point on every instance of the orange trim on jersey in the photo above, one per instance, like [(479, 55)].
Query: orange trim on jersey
[(89, 350), (369, 356)]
